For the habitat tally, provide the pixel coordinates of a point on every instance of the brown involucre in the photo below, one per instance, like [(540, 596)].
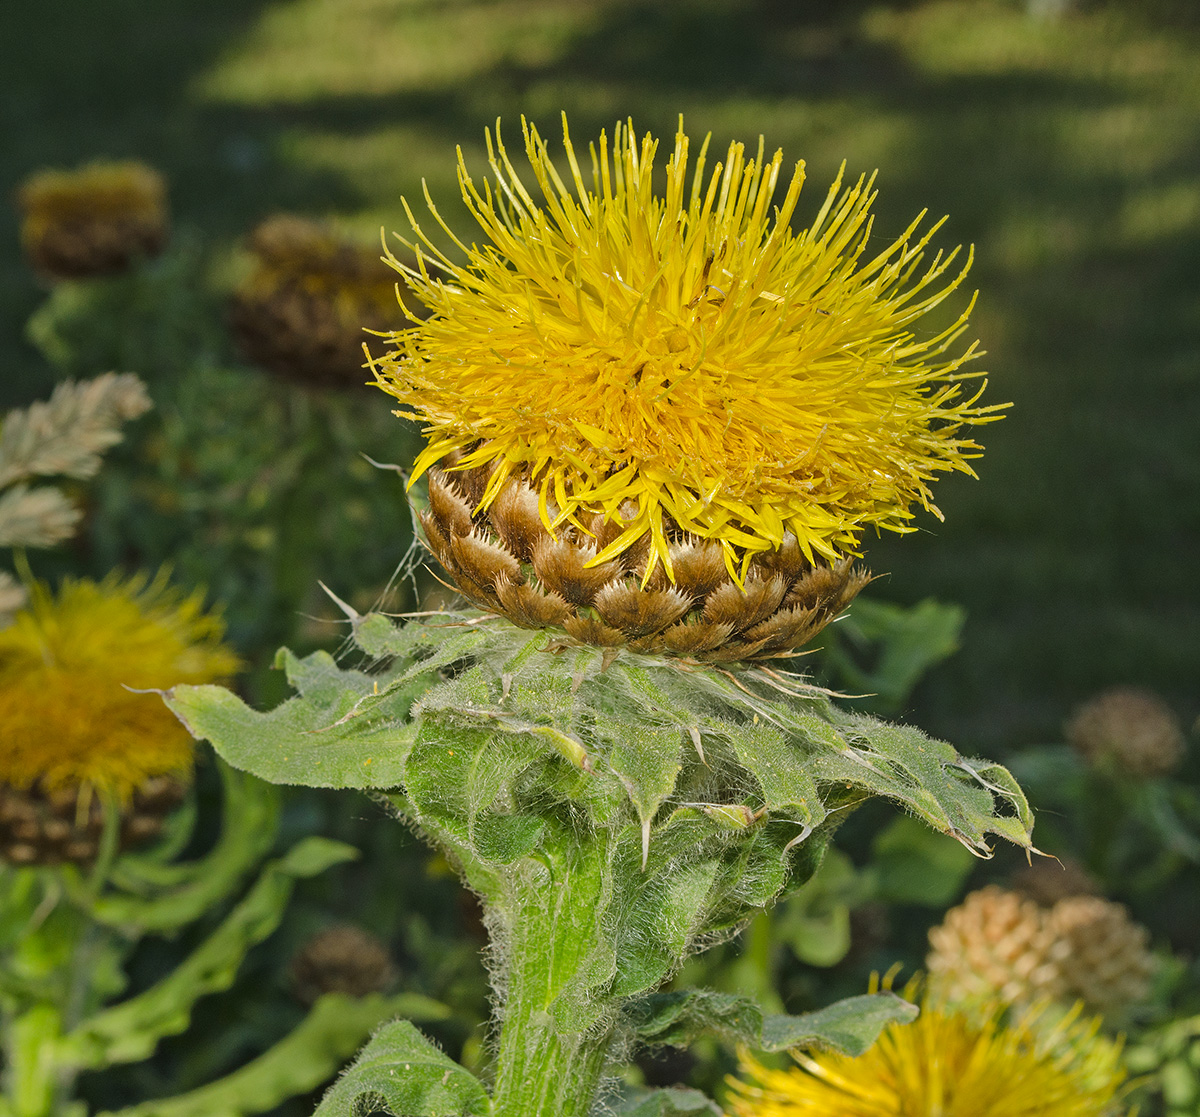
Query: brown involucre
[(504, 559), (310, 301), (39, 827), (93, 221)]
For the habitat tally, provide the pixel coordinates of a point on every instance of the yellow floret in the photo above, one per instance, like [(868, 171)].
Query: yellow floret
[(687, 355), (69, 669), (949, 1064)]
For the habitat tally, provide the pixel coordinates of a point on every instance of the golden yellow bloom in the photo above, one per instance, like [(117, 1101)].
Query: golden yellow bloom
[(67, 717), (949, 1064), (686, 363)]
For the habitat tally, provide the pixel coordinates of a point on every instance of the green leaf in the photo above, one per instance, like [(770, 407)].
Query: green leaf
[(849, 1026), (916, 865), (905, 642), (327, 738), (672, 1102), (779, 767), (647, 762), (402, 1074), (129, 1031), (250, 816), (299, 1063)]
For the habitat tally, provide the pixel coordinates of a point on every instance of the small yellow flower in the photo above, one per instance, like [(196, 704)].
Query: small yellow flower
[(69, 666), (686, 362), (949, 1064)]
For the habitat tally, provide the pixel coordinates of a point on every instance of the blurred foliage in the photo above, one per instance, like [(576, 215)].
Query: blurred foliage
[(1139, 838), (67, 932), (253, 487)]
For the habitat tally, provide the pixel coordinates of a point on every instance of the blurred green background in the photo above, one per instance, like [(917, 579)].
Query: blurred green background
[(1065, 144)]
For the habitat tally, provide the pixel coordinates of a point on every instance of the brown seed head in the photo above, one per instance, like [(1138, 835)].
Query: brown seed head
[(92, 221), (304, 309), (1130, 729), (995, 944), (342, 959)]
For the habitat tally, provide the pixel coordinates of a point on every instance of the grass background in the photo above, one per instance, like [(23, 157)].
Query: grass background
[(1067, 150)]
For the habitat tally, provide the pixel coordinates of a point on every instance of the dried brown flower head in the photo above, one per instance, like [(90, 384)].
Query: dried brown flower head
[(92, 221)]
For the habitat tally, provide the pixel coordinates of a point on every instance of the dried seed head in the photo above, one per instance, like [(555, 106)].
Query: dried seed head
[(1129, 729), (995, 944), (303, 309), (92, 221), (49, 827), (342, 959), (1000, 945), (1105, 960)]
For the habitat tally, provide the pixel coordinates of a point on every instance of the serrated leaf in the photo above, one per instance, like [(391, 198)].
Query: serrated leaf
[(402, 1074), (305, 741), (647, 762), (780, 769), (304, 1060), (675, 1101), (129, 1031), (849, 1026)]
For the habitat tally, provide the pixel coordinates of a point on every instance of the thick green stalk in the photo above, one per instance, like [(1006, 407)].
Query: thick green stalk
[(552, 933)]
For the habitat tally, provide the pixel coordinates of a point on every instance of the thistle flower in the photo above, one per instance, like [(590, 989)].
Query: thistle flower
[(639, 383), (94, 220), (72, 728), (342, 959), (949, 1063), (1130, 730), (998, 945), (302, 310)]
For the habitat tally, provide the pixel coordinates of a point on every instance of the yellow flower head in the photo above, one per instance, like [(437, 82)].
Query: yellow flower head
[(949, 1064), (100, 190), (68, 668), (686, 361), (291, 250)]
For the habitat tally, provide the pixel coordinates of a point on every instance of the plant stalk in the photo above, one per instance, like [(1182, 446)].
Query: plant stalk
[(551, 932)]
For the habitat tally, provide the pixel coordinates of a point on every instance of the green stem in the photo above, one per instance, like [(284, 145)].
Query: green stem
[(31, 1070), (552, 932)]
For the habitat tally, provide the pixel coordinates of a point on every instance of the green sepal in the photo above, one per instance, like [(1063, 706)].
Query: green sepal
[(402, 1074), (849, 1026), (301, 1062), (130, 1030), (675, 1101), (620, 722)]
